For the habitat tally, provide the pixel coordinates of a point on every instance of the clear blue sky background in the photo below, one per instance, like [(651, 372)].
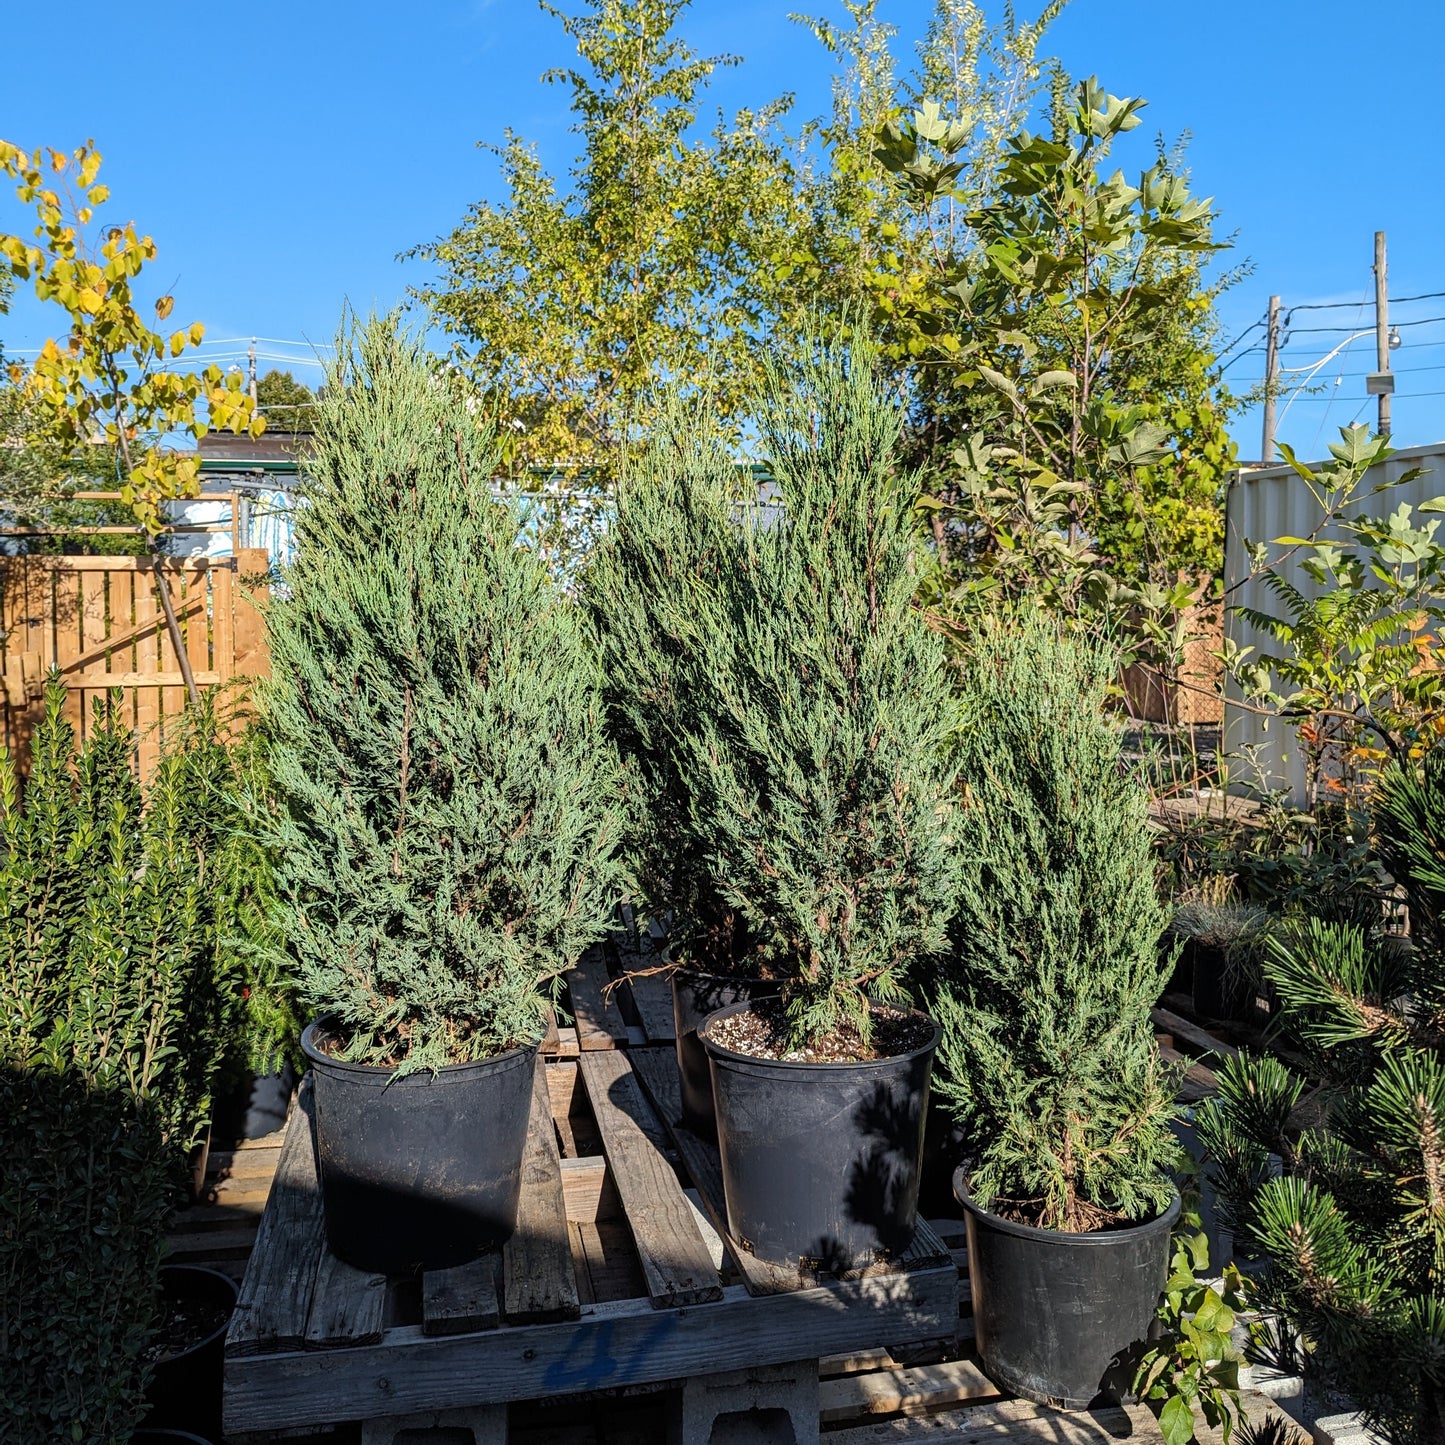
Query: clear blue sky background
[(283, 154)]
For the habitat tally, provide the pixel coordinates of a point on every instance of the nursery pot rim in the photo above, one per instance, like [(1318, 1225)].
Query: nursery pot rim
[(381, 1074), (888, 1061), (221, 1329), (1093, 1238)]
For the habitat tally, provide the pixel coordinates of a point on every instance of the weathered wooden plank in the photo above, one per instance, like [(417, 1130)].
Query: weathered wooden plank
[(1183, 1028), (202, 678), (1006, 1422), (888, 1392), (123, 564), (599, 1021), (454, 1301), (613, 1346), (347, 1305), (253, 589), (676, 1261), (588, 1190), (652, 994), (538, 1279), (147, 661), (275, 1301), (1199, 1081), (223, 620)]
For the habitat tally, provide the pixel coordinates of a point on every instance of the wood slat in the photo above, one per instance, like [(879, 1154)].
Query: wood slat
[(196, 621), (907, 1391), (538, 1279), (1198, 1082), (652, 995), (599, 1021), (275, 1301), (1186, 1029), (456, 1301), (147, 660), (612, 1347), (223, 620), (676, 1260), (347, 1305), (251, 594)]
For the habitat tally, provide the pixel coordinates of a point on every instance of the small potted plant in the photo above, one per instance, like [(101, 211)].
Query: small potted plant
[(1048, 1055), (811, 739), (446, 839), (677, 515), (1223, 946)]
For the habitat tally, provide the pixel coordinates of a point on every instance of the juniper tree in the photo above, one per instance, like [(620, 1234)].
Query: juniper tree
[(673, 529), (814, 706), (1048, 1057), (1349, 1214), (447, 842)]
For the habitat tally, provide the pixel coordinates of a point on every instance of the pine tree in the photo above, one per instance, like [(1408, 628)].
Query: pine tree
[(813, 705), (1048, 1055), (447, 847), (1349, 1215)]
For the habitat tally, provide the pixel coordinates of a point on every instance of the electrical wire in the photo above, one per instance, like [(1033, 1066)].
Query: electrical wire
[(1322, 330), (1342, 305)]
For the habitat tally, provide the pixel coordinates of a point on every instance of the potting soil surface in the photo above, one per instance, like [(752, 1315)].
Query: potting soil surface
[(761, 1032)]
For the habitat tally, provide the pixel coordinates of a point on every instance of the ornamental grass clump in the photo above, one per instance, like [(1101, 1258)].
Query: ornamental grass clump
[(1347, 1212), (447, 837), (1048, 1056), (813, 706)]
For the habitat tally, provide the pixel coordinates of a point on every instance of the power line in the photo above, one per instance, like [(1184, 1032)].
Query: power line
[(1322, 330), (1344, 305)]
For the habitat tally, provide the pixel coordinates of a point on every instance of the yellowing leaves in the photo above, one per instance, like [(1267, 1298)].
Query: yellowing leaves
[(98, 385)]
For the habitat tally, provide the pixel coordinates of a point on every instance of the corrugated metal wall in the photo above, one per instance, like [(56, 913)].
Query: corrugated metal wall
[(1263, 504)]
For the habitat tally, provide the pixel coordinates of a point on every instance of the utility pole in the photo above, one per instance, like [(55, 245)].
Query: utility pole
[(251, 356), (1382, 383), (1271, 379)]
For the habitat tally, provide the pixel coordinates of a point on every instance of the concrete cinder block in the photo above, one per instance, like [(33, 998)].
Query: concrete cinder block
[(474, 1425), (1345, 1429), (769, 1405)]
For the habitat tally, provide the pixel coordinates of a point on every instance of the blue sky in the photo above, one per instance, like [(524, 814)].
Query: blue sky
[(282, 155)]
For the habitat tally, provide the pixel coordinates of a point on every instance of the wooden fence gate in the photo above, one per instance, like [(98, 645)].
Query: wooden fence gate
[(100, 621)]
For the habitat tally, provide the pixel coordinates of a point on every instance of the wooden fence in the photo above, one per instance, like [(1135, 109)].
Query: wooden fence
[(100, 621)]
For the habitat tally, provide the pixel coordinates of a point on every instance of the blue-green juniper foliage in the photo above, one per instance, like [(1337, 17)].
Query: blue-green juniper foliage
[(1048, 1055), (448, 837)]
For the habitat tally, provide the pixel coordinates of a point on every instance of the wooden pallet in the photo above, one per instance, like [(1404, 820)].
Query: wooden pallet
[(619, 1278)]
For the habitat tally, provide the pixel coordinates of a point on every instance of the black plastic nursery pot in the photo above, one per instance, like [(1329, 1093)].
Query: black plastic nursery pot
[(820, 1162), (146, 1436), (184, 1392), (1055, 1313), (422, 1171), (1221, 991), (696, 995)]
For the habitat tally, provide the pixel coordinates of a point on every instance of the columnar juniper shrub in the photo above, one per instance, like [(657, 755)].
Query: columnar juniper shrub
[(674, 527), (1048, 1050), (814, 705), (1349, 1214), (118, 993), (447, 837)]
